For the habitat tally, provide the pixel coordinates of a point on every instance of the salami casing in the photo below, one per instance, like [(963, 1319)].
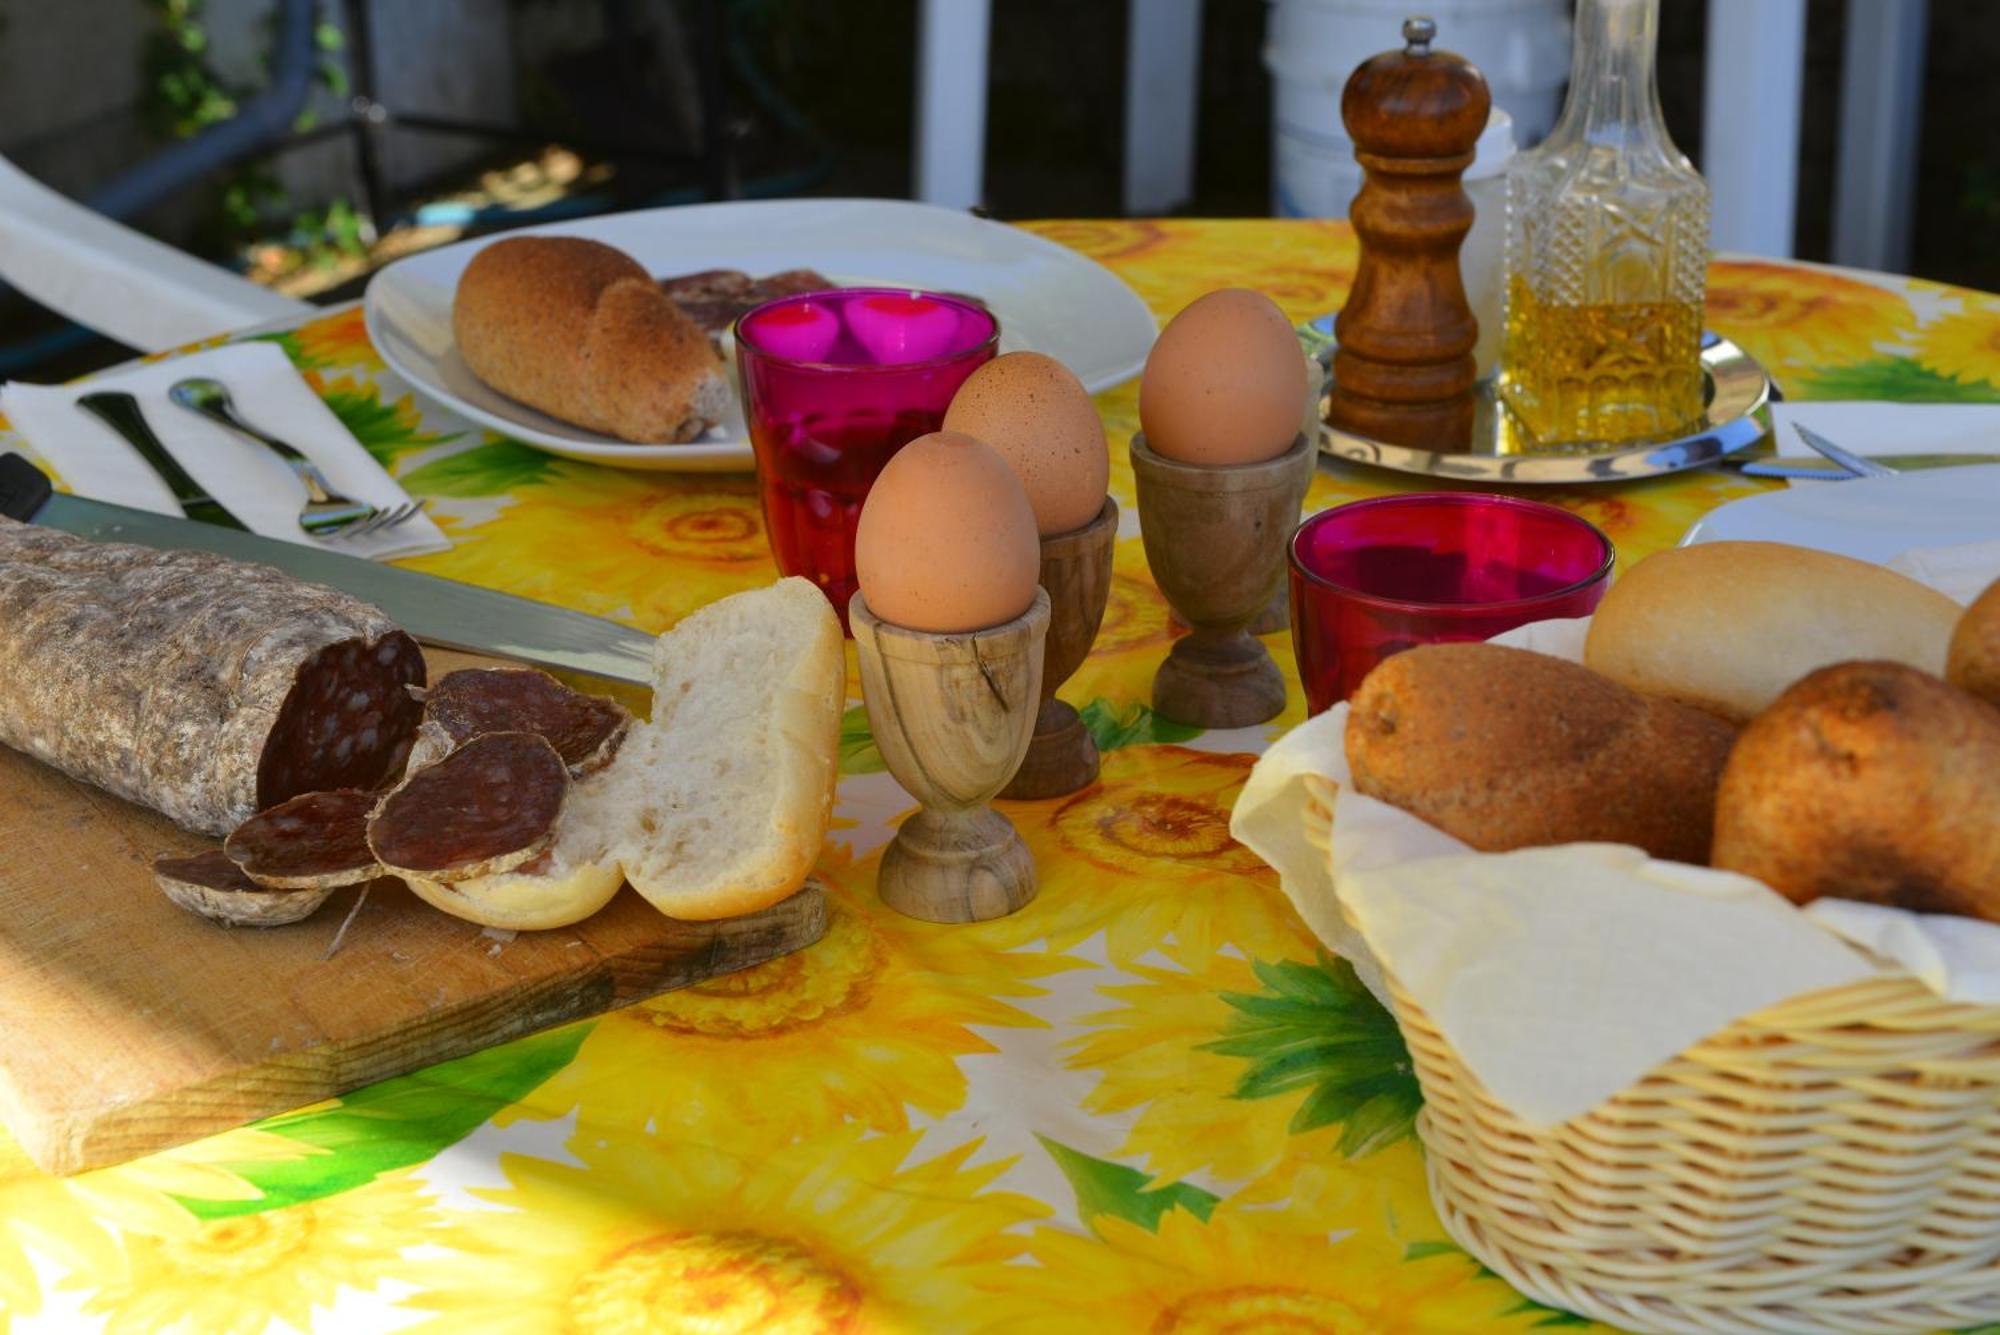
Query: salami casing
[(205, 688), (213, 886), (315, 841)]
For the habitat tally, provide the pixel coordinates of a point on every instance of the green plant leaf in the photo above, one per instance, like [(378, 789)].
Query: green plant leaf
[(1423, 1251), (1104, 1187), (1136, 725), (492, 469), (1901, 379), (383, 431), (858, 753), (1315, 1027), (396, 1123)]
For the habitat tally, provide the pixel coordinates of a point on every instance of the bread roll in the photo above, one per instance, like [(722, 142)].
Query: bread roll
[(1506, 749), (1868, 781), (1727, 626), (1972, 663), (580, 331)]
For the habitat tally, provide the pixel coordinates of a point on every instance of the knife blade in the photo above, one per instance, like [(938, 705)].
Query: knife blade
[(120, 411), (437, 611)]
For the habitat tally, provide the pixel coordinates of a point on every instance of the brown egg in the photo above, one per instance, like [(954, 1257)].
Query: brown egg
[(1038, 415), (946, 541), (1225, 382)]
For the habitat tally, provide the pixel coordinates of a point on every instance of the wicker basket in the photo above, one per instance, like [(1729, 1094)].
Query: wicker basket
[(1831, 1163)]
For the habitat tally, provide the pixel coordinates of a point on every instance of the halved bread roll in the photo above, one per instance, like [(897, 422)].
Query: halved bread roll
[(718, 805)]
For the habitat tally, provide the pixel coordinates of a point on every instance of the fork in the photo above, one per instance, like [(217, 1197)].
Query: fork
[(326, 514)]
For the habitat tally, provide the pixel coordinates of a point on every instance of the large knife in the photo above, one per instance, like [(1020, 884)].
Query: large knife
[(436, 611)]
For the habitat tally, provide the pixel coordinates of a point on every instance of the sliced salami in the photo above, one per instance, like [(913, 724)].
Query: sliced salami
[(315, 841), (205, 688), (585, 730), (215, 887), (492, 805)]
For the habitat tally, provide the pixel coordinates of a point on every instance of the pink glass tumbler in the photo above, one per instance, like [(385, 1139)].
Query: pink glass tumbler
[(1375, 577), (834, 383)]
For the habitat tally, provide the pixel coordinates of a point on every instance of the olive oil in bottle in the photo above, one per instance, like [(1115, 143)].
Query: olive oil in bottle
[(1607, 253)]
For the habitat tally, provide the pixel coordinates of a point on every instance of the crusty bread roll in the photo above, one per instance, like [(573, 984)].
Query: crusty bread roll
[(1868, 781), (1507, 749), (717, 806), (1972, 663), (1727, 626), (582, 332)]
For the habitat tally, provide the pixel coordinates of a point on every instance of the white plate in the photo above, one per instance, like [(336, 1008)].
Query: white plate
[(1047, 297), (1873, 519)]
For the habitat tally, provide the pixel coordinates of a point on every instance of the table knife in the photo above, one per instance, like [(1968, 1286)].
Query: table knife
[(120, 411), (437, 611)]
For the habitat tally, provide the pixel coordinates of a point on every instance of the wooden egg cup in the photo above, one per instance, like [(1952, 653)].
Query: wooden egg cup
[(1076, 574), (1215, 539), (952, 716)]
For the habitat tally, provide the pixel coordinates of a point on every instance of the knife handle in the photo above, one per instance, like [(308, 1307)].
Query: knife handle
[(24, 488), (120, 411)]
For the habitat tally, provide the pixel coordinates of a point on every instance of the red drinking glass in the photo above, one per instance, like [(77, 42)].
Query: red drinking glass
[(1375, 577), (834, 383)]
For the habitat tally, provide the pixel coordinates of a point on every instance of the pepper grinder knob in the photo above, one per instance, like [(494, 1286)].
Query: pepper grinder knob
[(1419, 32)]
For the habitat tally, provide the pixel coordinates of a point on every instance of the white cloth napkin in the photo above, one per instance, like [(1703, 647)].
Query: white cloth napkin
[(1562, 975), (255, 484), (1889, 430)]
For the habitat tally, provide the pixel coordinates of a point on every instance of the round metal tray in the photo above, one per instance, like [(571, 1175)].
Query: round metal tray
[(1736, 388)]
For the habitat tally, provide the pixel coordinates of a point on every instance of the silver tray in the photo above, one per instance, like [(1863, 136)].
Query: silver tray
[(1736, 388)]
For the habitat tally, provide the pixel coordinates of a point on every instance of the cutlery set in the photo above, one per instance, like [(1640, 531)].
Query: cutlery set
[(326, 514)]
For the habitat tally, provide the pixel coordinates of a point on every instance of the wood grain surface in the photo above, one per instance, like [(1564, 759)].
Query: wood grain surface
[(128, 1025)]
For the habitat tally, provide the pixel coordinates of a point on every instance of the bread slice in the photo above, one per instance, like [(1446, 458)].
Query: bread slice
[(717, 805)]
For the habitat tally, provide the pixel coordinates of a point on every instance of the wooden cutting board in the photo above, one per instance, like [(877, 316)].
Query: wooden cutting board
[(128, 1025)]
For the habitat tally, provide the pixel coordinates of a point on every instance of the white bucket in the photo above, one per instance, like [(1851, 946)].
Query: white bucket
[(1312, 46)]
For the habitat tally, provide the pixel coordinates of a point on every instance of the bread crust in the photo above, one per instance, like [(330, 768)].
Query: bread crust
[(1868, 781), (1727, 626), (578, 330), (1504, 748), (1973, 661)]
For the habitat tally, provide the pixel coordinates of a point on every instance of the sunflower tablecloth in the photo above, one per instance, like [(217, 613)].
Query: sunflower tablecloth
[(1148, 1102)]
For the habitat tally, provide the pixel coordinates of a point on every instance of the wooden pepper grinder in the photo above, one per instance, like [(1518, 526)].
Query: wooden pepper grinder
[(1404, 370)]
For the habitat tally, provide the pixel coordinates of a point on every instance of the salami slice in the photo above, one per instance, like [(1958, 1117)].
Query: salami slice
[(585, 730), (315, 841), (215, 887), (490, 806), (205, 688)]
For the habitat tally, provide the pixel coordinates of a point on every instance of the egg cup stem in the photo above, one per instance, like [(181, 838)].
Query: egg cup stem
[(1215, 539), (1076, 574), (952, 715)]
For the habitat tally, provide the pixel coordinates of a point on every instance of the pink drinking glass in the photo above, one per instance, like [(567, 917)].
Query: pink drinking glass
[(1375, 577), (834, 383)]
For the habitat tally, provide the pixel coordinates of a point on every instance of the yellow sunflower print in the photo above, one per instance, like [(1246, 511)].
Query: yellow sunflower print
[(867, 1024), (1131, 640), (649, 1236), (1794, 319), (1965, 346), (1144, 856), (237, 1275), (1327, 1272), (1148, 1052), (340, 339), (617, 544)]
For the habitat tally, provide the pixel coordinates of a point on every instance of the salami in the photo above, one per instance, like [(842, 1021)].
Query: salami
[(315, 841), (215, 887), (205, 688), (490, 806), (585, 730)]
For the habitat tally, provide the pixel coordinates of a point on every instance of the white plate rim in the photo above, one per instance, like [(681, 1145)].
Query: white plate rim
[(1788, 502), (718, 456)]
